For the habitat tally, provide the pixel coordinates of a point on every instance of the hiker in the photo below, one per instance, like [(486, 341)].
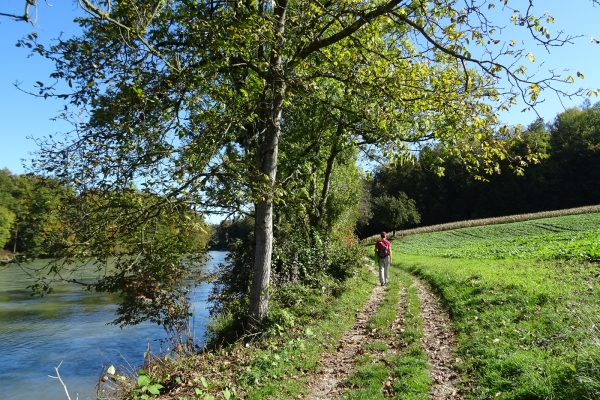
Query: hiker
[(383, 249)]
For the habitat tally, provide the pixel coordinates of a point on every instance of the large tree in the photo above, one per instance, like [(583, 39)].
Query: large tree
[(190, 100)]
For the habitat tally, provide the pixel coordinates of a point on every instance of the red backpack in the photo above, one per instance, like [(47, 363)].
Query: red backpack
[(383, 249)]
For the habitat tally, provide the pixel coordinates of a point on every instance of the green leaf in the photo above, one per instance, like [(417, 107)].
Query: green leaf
[(204, 383), (143, 380), (226, 394), (155, 389)]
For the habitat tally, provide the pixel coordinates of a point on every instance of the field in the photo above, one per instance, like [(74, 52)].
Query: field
[(569, 237), (525, 301)]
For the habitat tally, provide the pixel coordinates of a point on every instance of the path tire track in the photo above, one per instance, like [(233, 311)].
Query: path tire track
[(437, 342), (336, 366)]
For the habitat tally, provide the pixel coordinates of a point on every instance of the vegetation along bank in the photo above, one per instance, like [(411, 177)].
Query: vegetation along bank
[(524, 313)]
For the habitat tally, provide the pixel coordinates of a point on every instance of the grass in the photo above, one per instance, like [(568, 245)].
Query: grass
[(526, 322), (492, 221), (524, 299), (570, 237)]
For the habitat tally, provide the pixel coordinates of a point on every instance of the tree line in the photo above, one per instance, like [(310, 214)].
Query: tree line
[(564, 175), (27, 212)]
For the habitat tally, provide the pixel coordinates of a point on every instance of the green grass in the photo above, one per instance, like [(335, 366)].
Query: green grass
[(275, 366), (570, 237), (281, 370), (525, 303), (492, 221), (526, 326)]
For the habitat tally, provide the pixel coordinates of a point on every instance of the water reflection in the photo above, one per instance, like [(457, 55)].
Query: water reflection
[(70, 326)]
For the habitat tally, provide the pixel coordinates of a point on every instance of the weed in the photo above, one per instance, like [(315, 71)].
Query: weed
[(147, 386)]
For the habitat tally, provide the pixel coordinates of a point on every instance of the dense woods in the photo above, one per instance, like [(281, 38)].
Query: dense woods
[(28, 206)]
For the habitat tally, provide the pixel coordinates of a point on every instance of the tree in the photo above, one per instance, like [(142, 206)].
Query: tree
[(28, 6), (395, 212), (190, 99)]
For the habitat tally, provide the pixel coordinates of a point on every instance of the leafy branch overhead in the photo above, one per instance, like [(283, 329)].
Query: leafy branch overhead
[(194, 101)]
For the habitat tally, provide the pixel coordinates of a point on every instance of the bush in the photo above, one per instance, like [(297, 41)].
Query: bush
[(306, 269)]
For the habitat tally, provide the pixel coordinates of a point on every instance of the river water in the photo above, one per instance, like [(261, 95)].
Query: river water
[(70, 326)]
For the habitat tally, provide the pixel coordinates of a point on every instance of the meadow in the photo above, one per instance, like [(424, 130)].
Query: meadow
[(525, 301)]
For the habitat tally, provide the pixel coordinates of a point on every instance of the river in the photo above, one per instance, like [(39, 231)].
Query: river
[(70, 326)]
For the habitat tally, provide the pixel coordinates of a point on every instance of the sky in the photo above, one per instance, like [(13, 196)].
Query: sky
[(24, 117)]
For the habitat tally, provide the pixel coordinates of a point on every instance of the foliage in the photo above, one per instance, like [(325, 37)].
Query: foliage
[(304, 265), (568, 237), (38, 201), (147, 387), (99, 245), (192, 100), (562, 175), (7, 218), (30, 206), (395, 212), (231, 230), (277, 364), (575, 132)]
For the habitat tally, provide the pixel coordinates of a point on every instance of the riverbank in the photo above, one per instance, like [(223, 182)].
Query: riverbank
[(69, 328), (366, 341)]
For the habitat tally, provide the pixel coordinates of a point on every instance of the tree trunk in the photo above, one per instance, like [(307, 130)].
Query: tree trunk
[(267, 163), (320, 217)]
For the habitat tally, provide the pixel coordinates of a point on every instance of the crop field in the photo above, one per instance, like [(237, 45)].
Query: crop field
[(525, 303), (569, 237)]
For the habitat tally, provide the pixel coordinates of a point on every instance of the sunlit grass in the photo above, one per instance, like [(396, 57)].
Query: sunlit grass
[(492, 221), (519, 325)]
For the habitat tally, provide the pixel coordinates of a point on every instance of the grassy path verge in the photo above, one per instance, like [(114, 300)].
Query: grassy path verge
[(437, 342), (527, 329), (369, 342), (395, 363), (276, 367)]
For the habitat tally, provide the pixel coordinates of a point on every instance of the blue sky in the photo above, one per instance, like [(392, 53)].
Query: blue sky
[(23, 116)]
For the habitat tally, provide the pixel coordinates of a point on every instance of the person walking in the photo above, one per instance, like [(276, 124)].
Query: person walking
[(383, 250)]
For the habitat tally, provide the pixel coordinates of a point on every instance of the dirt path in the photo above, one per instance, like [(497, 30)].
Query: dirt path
[(437, 341), (336, 366)]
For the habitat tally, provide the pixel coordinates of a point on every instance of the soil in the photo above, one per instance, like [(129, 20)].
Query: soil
[(437, 342)]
